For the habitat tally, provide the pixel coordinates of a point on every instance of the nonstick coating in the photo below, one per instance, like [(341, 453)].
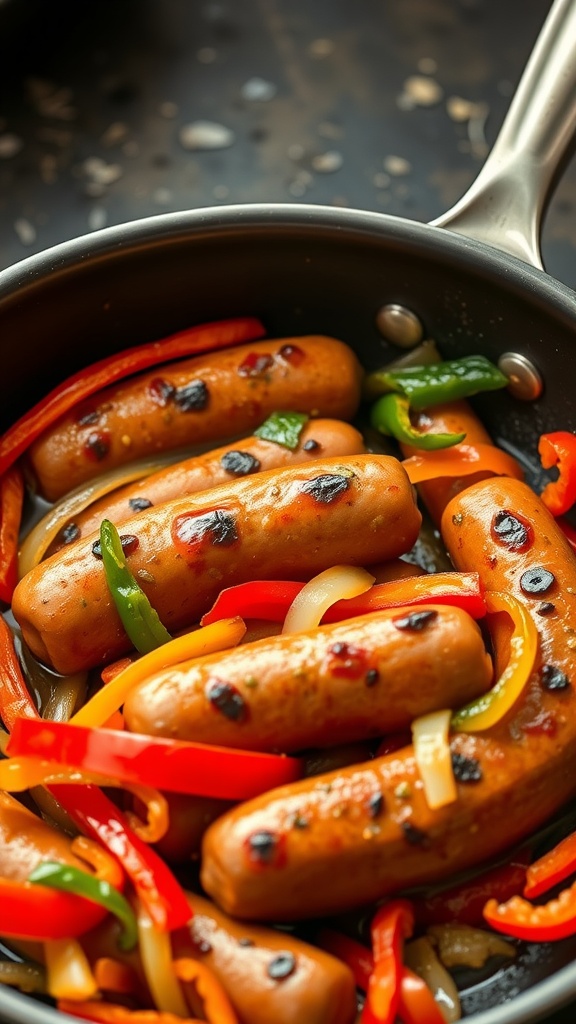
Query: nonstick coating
[(302, 269)]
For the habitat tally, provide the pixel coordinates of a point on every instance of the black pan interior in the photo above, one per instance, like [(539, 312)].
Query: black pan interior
[(303, 270)]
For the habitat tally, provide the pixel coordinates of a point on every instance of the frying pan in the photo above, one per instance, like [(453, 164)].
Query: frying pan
[(478, 286)]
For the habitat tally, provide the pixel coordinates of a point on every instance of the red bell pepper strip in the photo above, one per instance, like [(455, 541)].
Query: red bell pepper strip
[(524, 920), (33, 912), (270, 599), (11, 501), (417, 1004), (392, 924), (194, 341), (465, 902), (98, 817), (559, 449), (15, 698), (550, 869), (357, 957), (165, 764), (569, 531)]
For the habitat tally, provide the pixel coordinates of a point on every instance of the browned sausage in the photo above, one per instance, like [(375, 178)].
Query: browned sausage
[(203, 399), (525, 765), (319, 439), (286, 524), (271, 977), (350, 680)]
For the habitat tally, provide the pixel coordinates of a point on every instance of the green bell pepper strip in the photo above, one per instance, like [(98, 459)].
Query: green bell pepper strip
[(441, 382), (67, 878), (283, 428), (391, 415), (139, 618)]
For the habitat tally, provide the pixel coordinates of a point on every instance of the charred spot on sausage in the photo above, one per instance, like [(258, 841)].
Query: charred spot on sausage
[(239, 463), (292, 354), (226, 699), (128, 541), (245, 941), (466, 769), (217, 527), (87, 417), (69, 533), (282, 966), (326, 488), (139, 504), (310, 445), (413, 835), (537, 580), (553, 678), (193, 397), (255, 364), (415, 621), (375, 805), (546, 608), (162, 390), (372, 677), (266, 848), (346, 661), (97, 445), (511, 530)]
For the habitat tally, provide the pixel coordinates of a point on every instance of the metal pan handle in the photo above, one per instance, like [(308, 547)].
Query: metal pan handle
[(505, 205)]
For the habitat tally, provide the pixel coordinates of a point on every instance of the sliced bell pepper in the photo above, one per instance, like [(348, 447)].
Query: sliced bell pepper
[(358, 958), (569, 531), (166, 764), (158, 889), (551, 869), (11, 501), (216, 1005), (15, 698), (270, 599), (523, 920), (391, 924), (139, 618), (283, 428), (439, 382), (33, 912), (99, 708), (488, 709), (464, 903), (462, 460), (72, 391), (116, 1013), (559, 449), (67, 878), (390, 415)]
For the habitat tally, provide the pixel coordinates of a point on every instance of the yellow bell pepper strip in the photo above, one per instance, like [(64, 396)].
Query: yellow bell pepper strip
[(391, 924), (461, 460), (390, 415), (15, 698), (283, 428), (226, 632), (73, 390), (488, 709), (95, 814), (67, 878), (176, 766), (270, 599), (440, 382), (139, 618), (552, 868), (11, 501), (559, 449)]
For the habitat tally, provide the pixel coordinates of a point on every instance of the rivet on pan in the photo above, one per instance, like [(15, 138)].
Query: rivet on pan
[(525, 381), (399, 325)]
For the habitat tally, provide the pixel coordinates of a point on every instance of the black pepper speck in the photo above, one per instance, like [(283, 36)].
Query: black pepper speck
[(466, 769), (139, 504), (239, 463), (553, 678), (282, 966), (416, 621), (226, 699)]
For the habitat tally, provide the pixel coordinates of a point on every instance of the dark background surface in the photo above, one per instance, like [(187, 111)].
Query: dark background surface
[(386, 105)]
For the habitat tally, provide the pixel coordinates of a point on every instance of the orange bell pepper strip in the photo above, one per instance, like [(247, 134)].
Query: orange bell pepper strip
[(461, 460)]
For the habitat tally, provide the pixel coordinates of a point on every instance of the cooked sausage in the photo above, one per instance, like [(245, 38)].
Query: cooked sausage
[(347, 681), (270, 976), (202, 399), (288, 524), (319, 439), (515, 775)]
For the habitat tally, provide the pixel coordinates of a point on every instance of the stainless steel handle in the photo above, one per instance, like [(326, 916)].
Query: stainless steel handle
[(505, 205)]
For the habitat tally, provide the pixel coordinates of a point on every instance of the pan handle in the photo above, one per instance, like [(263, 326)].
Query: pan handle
[(505, 205)]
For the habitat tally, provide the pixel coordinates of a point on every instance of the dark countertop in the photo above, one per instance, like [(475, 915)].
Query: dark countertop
[(388, 106)]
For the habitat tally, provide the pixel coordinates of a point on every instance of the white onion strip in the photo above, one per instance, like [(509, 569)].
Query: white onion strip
[(156, 954), (322, 591), (432, 754), (68, 972), (43, 533)]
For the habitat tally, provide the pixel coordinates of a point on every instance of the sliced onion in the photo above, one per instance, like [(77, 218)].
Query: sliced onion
[(432, 754), (420, 956), (156, 955), (43, 533), (335, 584), (26, 976), (461, 945), (68, 972)]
